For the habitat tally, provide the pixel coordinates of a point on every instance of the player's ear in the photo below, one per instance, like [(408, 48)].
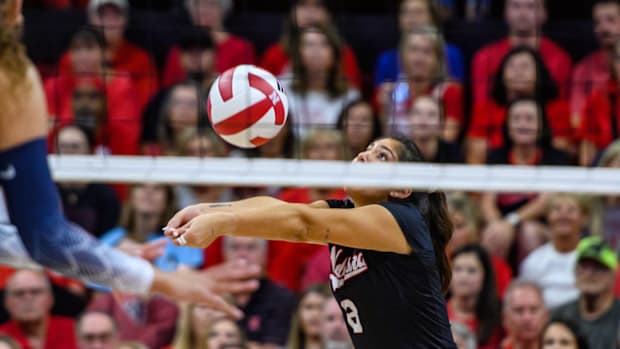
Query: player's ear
[(401, 193)]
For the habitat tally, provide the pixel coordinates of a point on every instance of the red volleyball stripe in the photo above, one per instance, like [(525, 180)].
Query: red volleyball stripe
[(265, 87), (258, 141), (243, 119), (225, 85)]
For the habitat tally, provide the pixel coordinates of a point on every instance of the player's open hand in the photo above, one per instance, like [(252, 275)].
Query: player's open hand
[(206, 287), (202, 230)]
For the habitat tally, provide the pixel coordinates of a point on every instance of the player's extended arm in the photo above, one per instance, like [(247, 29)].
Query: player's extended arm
[(369, 227), (190, 212)]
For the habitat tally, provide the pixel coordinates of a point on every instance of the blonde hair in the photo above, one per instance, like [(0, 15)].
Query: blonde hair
[(204, 341), (312, 135), (13, 60), (183, 335), (432, 32), (190, 134), (296, 336), (611, 152), (132, 345)]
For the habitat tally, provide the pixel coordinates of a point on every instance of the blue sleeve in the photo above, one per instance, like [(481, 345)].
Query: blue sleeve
[(387, 67), (34, 208), (456, 64)]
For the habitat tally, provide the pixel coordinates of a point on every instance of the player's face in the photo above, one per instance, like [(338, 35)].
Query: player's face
[(316, 54), (520, 74), (425, 119), (223, 332), (467, 275), (382, 150), (525, 314), (311, 314), (419, 58), (606, 18), (358, 126), (524, 123), (413, 14), (593, 278), (565, 217), (558, 336), (524, 17)]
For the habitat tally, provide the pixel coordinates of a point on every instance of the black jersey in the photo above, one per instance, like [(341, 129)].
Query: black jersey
[(391, 300)]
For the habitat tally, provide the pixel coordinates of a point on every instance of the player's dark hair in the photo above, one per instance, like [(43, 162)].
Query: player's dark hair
[(434, 208), (488, 310), (580, 337), (546, 88)]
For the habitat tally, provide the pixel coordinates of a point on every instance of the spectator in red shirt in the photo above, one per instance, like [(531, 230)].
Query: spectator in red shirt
[(511, 216), (422, 56), (97, 330), (592, 72), (522, 74), (304, 13), (121, 55), (231, 50), (473, 296), (28, 300), (600, 123), (92, 97), (525, 19), (524, 315)]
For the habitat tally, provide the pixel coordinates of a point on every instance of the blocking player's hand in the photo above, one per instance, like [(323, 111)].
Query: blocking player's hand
[(207, 287)]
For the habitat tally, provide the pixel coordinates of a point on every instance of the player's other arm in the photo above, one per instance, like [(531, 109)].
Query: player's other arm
[(369, 227)]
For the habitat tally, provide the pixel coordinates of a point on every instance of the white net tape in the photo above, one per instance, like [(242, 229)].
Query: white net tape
[(328, 174)]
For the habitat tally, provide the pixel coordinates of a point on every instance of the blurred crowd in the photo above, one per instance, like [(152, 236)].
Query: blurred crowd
[(530, 271)]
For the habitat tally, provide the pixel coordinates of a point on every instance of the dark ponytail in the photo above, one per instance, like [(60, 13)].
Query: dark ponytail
[(433, 206)]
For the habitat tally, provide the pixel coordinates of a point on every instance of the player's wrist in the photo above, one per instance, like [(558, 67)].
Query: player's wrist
[(162, 283)]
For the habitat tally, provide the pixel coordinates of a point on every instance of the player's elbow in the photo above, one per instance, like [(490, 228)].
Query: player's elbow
[(306, 225)]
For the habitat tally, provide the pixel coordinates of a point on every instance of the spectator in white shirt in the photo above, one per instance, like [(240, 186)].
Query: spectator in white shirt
[(552, 265)]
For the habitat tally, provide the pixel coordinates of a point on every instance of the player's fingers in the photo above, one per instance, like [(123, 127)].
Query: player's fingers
[(236, 286), (218, 303)]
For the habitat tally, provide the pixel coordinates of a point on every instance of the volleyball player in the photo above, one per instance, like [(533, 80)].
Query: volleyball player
[(387, 250), (33, 202)]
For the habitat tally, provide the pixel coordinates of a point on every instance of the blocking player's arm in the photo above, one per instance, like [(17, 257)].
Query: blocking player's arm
[(370, 227)]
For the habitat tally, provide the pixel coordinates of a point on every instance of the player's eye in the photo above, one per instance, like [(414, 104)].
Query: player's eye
[(383, 156)]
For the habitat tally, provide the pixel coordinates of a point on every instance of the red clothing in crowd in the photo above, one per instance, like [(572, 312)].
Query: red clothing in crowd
[(131, 60), (488, 119), (472, 324), (487, 60), (60, 333), (152, 322), (288, 260), (591, 74), (65, 4), (277, 62), (229, 53), (596, 121), (503, 275), (121, 131)]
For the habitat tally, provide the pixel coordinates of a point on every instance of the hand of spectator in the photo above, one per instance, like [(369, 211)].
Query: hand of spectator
[(206, 287), (149, 251), (497, 237)]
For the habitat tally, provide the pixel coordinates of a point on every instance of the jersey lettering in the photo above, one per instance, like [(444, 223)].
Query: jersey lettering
[(353, 318)]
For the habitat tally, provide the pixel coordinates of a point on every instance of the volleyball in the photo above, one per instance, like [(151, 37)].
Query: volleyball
[(247, 106)]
